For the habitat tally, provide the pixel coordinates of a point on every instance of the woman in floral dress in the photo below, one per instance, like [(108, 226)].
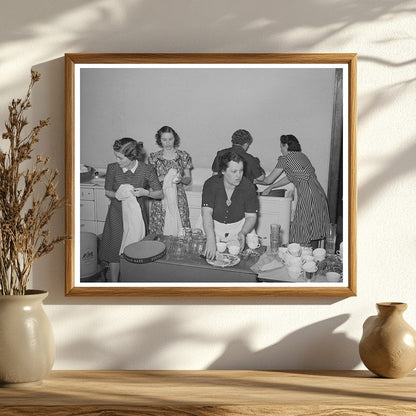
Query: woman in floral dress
[(170, 157)]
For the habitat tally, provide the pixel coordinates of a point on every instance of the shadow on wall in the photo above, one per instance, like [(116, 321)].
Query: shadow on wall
[(153, 345), (53, 143), (245, 28), (129, 26), (314, 347), (390, 170), (142, 347)]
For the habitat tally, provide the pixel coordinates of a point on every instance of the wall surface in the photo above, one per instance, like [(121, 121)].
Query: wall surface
[(223, 333), (205, 106)]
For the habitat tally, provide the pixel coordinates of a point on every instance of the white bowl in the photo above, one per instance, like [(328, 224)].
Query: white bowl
[(332, 276)]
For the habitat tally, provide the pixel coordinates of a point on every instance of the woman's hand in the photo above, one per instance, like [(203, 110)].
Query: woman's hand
[(138, 192), (177, 178), (210, 249)]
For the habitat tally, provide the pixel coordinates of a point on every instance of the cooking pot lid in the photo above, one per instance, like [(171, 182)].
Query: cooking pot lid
[(144, 251)]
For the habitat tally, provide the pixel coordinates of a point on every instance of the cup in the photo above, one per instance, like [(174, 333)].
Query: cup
[(333, 276), (330, 238), (294, 249), (340, 252), (221, 246), (252, 241), (310, 266), (233, 248), (306, 251), (310, 269), (307, 259), (293, 261), (294, 272), (319, 254)]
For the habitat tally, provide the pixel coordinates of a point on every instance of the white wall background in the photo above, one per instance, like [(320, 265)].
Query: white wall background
[(205, 107), (200, 333)]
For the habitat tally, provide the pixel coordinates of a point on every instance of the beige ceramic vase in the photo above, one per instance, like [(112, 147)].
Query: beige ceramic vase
[(27, 347), (388, 345)]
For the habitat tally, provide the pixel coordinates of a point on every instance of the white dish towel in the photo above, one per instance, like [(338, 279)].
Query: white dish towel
[(173, 222), (133, 225)]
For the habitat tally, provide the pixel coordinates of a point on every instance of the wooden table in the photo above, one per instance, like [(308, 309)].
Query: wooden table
[(254, 393)]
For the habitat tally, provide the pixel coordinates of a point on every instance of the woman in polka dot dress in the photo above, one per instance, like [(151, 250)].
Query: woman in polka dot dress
[(128, 169)]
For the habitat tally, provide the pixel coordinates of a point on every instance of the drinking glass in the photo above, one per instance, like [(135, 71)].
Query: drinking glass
[(179, 252), (274, 238), (274, 245), (330, 239), (275, 230)]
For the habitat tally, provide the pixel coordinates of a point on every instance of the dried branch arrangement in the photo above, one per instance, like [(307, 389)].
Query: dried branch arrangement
[(28, 199)]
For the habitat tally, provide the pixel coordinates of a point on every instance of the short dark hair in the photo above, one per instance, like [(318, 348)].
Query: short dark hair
[(241, 137), (226, 158), (130, 148), (167, 129), (292, 142)]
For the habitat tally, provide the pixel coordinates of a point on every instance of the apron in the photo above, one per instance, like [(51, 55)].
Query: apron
[(227, 232)]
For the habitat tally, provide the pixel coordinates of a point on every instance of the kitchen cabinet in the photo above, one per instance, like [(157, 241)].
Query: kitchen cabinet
[(93, 208), (274, 210), (194, 203)]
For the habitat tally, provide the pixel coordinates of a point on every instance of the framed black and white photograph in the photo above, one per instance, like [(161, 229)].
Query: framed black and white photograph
[(211, 174)]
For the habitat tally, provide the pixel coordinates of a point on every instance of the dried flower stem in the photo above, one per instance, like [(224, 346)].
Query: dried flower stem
[(23, 217)]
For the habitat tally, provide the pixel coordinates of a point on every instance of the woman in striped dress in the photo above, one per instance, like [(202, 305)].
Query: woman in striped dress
[(128, 169), (311, 214)]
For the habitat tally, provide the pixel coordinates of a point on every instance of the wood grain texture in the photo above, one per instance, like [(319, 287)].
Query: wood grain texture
[(245, 393), (71, 60), (69, 174)]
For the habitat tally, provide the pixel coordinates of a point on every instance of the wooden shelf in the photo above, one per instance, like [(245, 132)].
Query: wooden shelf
[(203, 393)]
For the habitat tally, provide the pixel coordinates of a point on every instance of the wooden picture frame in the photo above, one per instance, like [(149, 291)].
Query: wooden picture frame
[(106, 110)]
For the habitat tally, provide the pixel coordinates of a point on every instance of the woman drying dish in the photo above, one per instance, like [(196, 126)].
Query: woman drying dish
[(311, 213), (127, 184), (173, 167), (229, 204)]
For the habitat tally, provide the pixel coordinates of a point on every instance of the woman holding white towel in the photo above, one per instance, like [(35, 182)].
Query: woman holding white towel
[(129, 175), (168, 161)]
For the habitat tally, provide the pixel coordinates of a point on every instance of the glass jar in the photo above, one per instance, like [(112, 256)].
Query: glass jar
[(202, 241)]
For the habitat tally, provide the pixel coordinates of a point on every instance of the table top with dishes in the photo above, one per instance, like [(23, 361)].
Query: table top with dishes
[(288, 263), (296, 263), (191, 253)]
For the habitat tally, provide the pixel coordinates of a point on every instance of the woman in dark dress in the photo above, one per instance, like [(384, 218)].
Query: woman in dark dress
[(229, 204), (311, 214), (129, 168)]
